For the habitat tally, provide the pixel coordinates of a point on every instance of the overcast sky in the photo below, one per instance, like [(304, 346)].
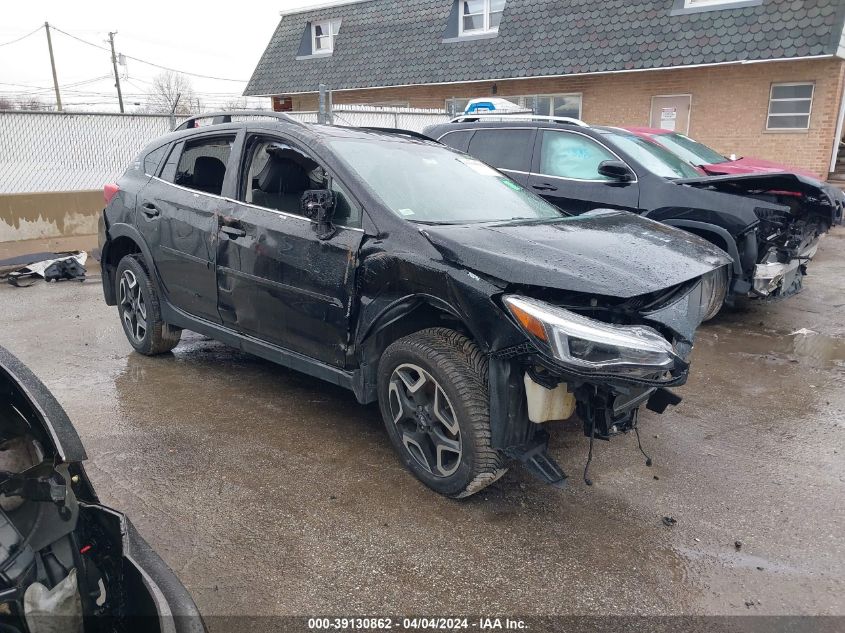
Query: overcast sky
[(220, 39)]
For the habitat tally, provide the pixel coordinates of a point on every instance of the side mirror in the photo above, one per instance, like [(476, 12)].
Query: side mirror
[(318, 205), (616, 170)]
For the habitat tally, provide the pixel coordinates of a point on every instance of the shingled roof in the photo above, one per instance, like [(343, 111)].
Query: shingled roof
[(390, 43)]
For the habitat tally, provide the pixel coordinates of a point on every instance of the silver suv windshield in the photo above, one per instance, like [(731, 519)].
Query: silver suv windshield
[(428, 183)]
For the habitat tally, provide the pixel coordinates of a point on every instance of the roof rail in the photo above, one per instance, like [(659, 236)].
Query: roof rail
[(222, 117), (392, 130), (519, 116)]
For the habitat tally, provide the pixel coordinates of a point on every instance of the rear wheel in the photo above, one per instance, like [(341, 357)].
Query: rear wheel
[(435, 405), (140, 310)]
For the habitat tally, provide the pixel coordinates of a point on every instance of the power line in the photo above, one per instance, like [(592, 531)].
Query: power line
[(143, 61), (23, 37)]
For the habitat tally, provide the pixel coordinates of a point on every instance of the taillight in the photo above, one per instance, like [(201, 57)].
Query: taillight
[(110, 191)]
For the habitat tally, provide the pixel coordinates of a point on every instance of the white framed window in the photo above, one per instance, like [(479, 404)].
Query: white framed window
[(790, 106), (480, 16), (323, 34), (691, 4)]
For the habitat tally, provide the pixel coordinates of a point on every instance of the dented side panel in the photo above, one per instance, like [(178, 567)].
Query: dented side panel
[(277, 281)]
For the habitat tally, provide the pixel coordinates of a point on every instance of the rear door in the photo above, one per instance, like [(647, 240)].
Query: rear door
[(507, 149), (565, 172), (177, 212), (277, 280)]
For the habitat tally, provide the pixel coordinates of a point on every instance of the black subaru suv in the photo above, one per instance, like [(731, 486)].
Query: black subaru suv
[(770, 224), (414, 275)]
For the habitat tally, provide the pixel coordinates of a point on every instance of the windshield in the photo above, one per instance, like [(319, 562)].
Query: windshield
[(655, 158), (433, 184), (690, 150)]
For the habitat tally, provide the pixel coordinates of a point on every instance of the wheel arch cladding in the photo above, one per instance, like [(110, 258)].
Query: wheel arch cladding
[(123, 240)]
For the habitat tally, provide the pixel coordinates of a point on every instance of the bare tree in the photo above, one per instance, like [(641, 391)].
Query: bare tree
[(237, 103), (172, 91), (34, 104)]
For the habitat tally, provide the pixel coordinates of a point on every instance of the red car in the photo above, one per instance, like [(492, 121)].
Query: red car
[(708, 159)]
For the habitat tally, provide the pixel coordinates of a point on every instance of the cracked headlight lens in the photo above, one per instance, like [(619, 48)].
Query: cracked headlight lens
[(588, 345)]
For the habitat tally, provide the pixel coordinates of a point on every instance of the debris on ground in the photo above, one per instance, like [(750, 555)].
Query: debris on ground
[(738, 545), (25, 270), (669, 521)]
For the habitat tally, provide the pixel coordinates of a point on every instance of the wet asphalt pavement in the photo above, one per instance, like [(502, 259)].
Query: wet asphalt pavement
[(269, 492)]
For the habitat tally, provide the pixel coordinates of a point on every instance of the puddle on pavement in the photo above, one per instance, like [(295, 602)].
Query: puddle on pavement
[(803, 346)]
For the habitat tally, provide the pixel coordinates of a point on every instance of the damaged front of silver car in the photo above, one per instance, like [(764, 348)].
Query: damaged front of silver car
[(68, 563)]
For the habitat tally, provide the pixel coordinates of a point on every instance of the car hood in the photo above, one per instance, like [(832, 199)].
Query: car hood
[(609, 253), (748, 165)]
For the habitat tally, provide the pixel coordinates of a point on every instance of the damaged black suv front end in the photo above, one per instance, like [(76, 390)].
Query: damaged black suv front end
[(792, 213), (601, 313)]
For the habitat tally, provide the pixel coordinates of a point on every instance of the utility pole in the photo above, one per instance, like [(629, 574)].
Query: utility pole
[(116, 75), (53, 66)]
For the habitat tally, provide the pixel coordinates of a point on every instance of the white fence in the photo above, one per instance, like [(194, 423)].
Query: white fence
[(49, 151)]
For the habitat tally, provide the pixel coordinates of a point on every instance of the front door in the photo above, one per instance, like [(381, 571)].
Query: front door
[(565, 172), (277, 280), (671, 113), (180, 208)]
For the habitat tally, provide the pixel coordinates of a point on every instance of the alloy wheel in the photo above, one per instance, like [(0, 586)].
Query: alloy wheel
[(133, 308), (425, 420)]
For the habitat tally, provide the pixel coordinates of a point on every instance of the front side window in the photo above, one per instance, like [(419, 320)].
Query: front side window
[(279, 174), (690, 150), (566, 155), (790, 106), (657, 159), (505, 149), (202, 165), (323, 35), (481, 16), (432, 184)]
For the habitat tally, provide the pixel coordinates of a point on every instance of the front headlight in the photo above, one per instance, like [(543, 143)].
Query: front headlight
[(714, 289), (588, 345)]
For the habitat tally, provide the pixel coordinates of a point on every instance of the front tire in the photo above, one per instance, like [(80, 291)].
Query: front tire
[(434, 401), (140, 310)]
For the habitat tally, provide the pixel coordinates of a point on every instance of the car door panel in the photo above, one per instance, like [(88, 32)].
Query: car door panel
[(279, 282), (508, 149), (564, 172), (184, 219)]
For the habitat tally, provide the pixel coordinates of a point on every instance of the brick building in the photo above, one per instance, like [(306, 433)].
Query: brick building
[(760, 78)]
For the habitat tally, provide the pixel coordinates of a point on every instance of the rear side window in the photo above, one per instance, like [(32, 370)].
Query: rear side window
[(153, 160), (505, 149), (575, 156), (202, 165), (457, 140)]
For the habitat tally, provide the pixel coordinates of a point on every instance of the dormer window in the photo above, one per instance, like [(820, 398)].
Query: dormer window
[(323, 34), (480, 16), (694, 6)]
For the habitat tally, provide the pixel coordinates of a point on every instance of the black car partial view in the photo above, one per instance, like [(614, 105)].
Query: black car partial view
[(416, 276), (68, 563), (769, 224)]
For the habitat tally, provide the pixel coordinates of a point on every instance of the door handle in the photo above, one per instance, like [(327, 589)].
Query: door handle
[(233, 231), (545, 187), (150, 210)]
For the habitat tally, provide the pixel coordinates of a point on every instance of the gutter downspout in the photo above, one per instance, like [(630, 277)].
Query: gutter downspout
[(839, 122)]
